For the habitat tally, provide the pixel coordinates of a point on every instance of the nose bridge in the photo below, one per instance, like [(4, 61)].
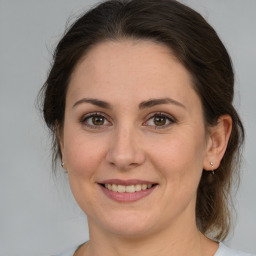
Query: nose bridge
[(125, 151)]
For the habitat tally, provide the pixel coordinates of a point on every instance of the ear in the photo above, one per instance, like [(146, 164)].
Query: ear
[(218, 137), (59, 137)]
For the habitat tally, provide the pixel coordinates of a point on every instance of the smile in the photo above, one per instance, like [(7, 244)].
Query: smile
[(127, 189)]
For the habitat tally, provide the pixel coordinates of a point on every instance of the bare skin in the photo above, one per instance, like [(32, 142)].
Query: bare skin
[(207, 247), (132, 114)]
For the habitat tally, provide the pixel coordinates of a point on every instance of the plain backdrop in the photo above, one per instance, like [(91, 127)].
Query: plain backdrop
[(38, 215)]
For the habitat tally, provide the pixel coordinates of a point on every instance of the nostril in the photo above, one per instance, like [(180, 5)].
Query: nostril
[(125, 155)]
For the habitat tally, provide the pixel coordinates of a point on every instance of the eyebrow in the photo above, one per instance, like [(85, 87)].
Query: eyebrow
[(154, 102), (145, 104), (96, 102)]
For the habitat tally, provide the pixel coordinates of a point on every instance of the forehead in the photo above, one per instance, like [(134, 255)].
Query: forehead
[(127, 67), (127, 54)]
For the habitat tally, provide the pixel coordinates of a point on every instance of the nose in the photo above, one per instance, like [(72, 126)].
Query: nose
[(125, 150)]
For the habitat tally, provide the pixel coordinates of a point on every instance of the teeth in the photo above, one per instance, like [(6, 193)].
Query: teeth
[(114, 187), (127, 189), (130, 189), (137, 187), (120, 188), (144, 186)]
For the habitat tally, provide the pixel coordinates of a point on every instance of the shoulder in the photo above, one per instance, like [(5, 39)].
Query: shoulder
[(225, 251), (69, 252)]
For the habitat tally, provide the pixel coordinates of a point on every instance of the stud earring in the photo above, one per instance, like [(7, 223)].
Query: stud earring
[(211, 163), (62, 165)]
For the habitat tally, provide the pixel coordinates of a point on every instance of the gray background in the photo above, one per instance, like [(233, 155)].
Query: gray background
[(38, 215)]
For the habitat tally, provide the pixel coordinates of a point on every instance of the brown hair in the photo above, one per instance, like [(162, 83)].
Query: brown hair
[(197, 46)]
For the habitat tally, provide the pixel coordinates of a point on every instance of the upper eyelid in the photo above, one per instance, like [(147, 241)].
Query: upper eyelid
[(96, 113), (161, 114), (109, 119)]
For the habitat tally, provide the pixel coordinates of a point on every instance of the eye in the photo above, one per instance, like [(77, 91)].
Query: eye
[(95, 120), (159, 121)]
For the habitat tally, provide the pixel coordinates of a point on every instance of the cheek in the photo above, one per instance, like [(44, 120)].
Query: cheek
[(82, 153), (180, 158)]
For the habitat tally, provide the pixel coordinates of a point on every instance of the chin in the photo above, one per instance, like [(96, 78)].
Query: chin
[(129, 231), (132, 225)]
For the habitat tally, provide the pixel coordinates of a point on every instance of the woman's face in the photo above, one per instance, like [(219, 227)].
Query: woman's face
[(134, 123)]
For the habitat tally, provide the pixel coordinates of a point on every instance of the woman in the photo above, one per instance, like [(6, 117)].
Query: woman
[(139, 101)]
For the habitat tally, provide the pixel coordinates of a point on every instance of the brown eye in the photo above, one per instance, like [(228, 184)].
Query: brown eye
[(98, 120), (159, 120), (95, 120)]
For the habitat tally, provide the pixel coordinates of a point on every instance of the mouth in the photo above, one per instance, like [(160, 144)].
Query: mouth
[(127, 191)]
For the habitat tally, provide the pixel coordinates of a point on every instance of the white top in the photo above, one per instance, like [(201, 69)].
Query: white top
[(222, 251), (225, 251)]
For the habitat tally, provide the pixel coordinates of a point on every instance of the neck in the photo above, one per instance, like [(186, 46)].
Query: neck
[(186, 240)]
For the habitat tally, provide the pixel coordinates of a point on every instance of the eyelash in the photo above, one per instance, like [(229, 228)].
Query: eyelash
[(169, 118), (84, 120)]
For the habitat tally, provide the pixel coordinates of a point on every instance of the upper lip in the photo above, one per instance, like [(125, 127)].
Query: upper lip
[(126, 182)]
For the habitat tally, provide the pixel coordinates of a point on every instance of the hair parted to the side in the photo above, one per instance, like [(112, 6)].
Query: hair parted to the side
[(196, 45)]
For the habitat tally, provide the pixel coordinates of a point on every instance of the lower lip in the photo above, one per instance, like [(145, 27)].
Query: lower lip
[(127, 197)]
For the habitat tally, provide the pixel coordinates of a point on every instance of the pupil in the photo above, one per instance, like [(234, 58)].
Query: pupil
[(98, 120), (160, 120)]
